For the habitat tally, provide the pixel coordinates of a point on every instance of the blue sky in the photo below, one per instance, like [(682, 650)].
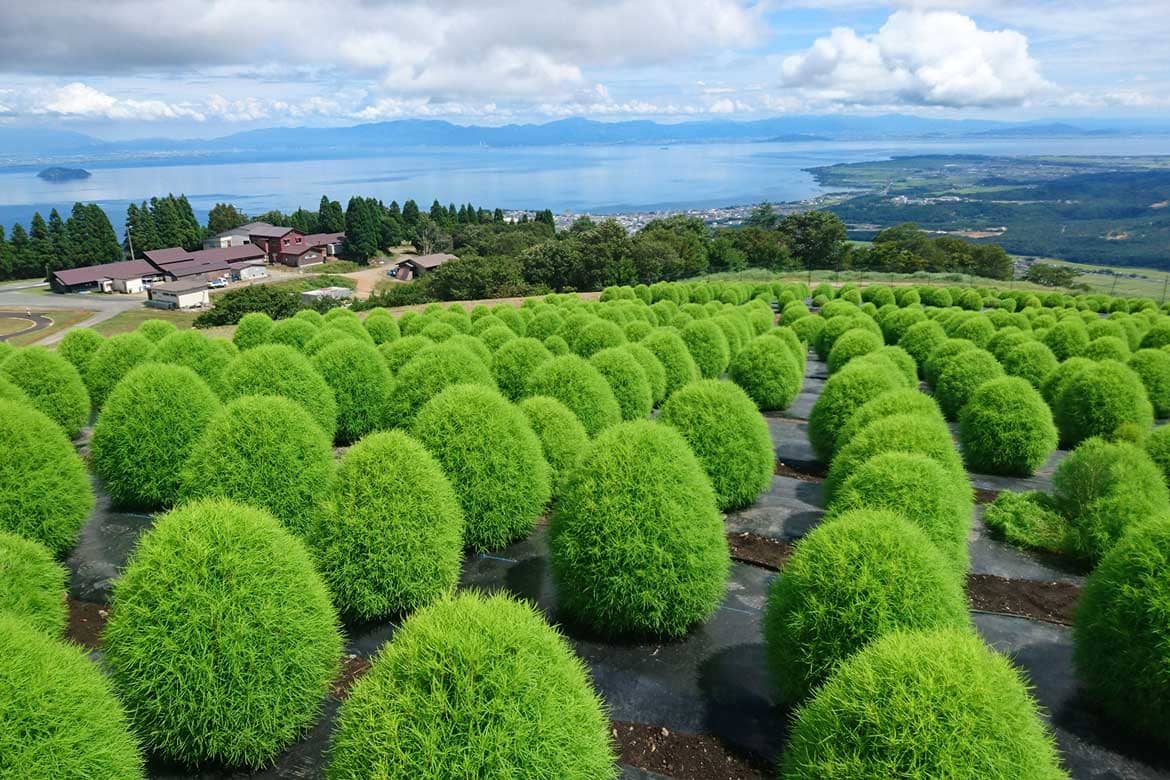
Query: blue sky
[(134, 68)]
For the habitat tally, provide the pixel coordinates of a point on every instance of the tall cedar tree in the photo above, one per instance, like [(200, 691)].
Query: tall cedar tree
[(224, 216), (410, 214), (330, 217), (59, 236), (5, 256), (92, 240), (40, 248), (361, 230)]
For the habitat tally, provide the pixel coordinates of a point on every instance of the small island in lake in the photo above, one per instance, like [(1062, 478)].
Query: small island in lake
[(63, 174)]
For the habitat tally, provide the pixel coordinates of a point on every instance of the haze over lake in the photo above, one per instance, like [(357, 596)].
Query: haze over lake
[(598, 179)]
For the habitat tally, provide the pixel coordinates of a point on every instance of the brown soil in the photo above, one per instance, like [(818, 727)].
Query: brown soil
[(1052, 602), (352, 668), (758, 550), (86, 623), (681, 756), (985, 496), (784, 470)]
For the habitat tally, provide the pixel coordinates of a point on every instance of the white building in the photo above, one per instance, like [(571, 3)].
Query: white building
[(183, 294)]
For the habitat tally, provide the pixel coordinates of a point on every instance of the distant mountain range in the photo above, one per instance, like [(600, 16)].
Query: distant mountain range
[(29, 145)]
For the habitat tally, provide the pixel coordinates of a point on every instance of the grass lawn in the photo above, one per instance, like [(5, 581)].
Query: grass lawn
[(62, 319), (1119, 280), (315, 282), (10, 325), (126, 321)]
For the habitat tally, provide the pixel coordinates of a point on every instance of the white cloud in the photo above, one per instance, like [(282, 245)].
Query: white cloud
[(937, 58), (80, 100)]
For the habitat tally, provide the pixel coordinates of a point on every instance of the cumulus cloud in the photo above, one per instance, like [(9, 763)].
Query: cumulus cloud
[(933, 58), (80, 100)]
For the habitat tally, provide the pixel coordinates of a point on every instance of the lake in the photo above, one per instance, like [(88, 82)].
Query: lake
[(598, 179)]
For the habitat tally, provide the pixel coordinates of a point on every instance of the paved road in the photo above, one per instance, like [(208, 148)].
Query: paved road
[(103, 306), (38, 323)]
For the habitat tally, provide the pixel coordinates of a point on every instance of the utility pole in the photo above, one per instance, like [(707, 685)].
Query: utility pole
[(130, 240)]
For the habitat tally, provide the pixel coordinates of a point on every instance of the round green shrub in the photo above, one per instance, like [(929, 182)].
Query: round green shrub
[(597, 335), (849, 582), (1032, 361), (708, 347), (1006, 428), (293, 332), (556, 345), (1054, 384), (431, 371), (348, 324), (326, 336), (962, 377), (674, 356), (808, 329), (195, 351), (729, 436), (1098, 399), (1106, 348), (340, 314), (60, 718), (362, 386), (10, 392), (475, 347), (252, 330), (399, 352), (264, 451), (1027, 520), (562, 436), (1153, 368), (156, 330), (311, 316), (112, 361), (851, 344), (492, 458), (78, 346), (652, 368), (577, 384), (1005, 340), (977, 330), (32, 584), (836, 327), (50, 384), (1105, 488), (895, 324), (896, 357), (1067, 338), (626, 379), (922, 704), (278, 369), (768, 372), (222, 642), (902, 401), (842, 395), (544, 324), (1157, 336), (438, 331), (45, 494), (921, 339), (928, 495), (382, 326), (941, 357), (516, 701), (146, 431), (392, 540), (514, 362), (497, 337), (1122, 639), (1157, 446), (637, 544)]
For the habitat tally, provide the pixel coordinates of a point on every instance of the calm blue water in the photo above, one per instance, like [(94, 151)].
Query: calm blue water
[(599, 179)]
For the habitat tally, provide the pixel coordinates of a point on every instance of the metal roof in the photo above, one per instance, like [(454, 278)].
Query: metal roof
[(126, 269)]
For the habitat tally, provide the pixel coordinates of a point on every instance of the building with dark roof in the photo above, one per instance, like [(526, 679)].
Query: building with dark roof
[(124, 276), (178, 263), (413, 267)]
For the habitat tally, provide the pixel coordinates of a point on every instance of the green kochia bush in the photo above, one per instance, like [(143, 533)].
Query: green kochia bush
[(962, 377), (1153, 368), (921, 339), (252, 330), (392, 540), (1031, 360), (222, 641), (514, 363), (1104, 488), (922, 704), (676, 359), (628, 381), (768, 372), (1157, 446), (432, 370), (293, 332), (903, 401), (936, 500), (156, 330), (637, 544), (849, 582), (1028, 520), (941, 357), (652, 368), (843, 394), (192, 349), (60, 718), (362, 386), (264, 451), (45, 494), (729, 436), (51, 384), (146, 431), (1121, 632), (276, 369), (112, 361), (78, 346), (1006, 428), (492, 458), (32, 584), (575, 382), (1098, 399), (853, 343), (515, 701), (597, 335), (398, 353), (708, 346), (382, 326), (562, 436)]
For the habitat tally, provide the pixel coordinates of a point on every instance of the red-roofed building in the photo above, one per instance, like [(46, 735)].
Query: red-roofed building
[(124, 276)]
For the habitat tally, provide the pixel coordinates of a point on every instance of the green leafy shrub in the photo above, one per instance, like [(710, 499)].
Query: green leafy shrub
[(362, 386), (293, 332), (1106, 348), (941, 357), (849, 582), (562, 436), (78, 346), (399, 352), (264, 451), (1153, 368), (928, 495), (392, 540), (626, 379), (575, 382), (1104, 488), (382, 326), (922, 704), (977, 330), (195, 351), (492, 458), (278, 369), (112, 361), (637, 544), (1027, 520), (1006, 428), (60, 718), (156, 330), (597, 335), (146, 431), (515, 362), (1122, 639), (708, 347), (1031, 360), (729, 436), (496, 337), (808, 329), (51, 384), (1067, 338), (252, 330), (674, 356), (768, 372), (32, 584), (324, 337), (222, 642), (517, 702), (902, 401), (438, 331), (1157, 446), (896, 357), (843, 394), (853, 343), (556, 344), (1097, 399), (10, 392), (962, 377), (475, 347), (45, 494), (429, 372), (921, 339), (652, 368)]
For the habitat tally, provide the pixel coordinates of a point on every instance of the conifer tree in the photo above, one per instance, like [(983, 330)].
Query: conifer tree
[(40, 254), (19, 248), (59, 237), (5, 256), (410, 214)]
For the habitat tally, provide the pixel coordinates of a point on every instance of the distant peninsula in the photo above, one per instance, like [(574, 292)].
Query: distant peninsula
[(63, 174)]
